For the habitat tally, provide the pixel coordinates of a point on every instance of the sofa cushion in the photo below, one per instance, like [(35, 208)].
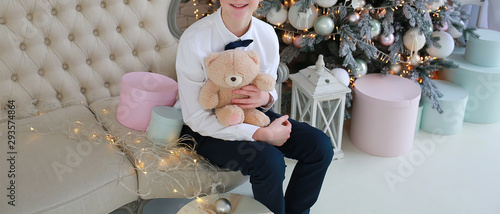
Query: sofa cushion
[(59, 168), (182, 180)]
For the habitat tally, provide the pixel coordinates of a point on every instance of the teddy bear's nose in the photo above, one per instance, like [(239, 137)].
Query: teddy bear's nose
[(234, 80)]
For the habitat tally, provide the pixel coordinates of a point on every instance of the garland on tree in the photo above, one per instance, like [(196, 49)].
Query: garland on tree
[(391, 36)]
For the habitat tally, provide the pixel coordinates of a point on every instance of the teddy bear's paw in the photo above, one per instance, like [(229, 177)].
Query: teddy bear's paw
[(234, 119), (230, 115), (256, 117)]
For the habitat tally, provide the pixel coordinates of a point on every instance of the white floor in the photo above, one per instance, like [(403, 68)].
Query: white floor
[(442, 174)]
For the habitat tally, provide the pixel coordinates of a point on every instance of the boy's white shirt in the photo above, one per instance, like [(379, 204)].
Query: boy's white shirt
[(210, 35)]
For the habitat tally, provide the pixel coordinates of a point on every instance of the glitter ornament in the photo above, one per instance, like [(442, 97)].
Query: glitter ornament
[(287, 38), (277, 17), (222, 206), (324, 25), (386, 40)]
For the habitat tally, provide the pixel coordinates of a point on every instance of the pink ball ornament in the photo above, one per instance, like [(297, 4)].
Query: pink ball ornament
[(297, 40), (386, 40), (442, 26)]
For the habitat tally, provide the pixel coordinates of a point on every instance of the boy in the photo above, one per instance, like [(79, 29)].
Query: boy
[(255, 151)]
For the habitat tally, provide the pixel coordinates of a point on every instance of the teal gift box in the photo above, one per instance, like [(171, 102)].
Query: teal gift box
[(165, 126), (453, 103)]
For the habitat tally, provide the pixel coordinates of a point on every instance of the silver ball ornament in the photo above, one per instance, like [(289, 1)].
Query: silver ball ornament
[(386, 40), (324, 25), (376, 27), (222, 206), (361, 69), (353, 17)]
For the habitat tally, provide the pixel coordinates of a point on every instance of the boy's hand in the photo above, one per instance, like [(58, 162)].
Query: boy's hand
[(276, 134), (256, 97)]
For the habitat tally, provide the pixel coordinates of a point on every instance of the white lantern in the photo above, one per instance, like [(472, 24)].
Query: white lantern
[(318, 98)]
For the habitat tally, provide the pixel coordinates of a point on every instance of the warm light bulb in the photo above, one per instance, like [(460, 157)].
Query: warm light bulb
[(76, 131), (32, 129)]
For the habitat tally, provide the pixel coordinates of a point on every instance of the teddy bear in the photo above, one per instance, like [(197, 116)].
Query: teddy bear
[(229, 70)]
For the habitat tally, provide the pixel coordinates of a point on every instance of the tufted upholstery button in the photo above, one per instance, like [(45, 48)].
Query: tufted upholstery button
[(96, 33), (46, 41), (78, 8), (22, 46), (35, 102), (65, 66), (157, 48), (59, 96), (71, 37), (118, 29), (141, 24), (106, 84), (29, 16), (125, 1), (2, 21), (112, 57), (83, 90), (14, 77), (134, 52), (103, 4), (89, 61), (53, 11), (40, 72)]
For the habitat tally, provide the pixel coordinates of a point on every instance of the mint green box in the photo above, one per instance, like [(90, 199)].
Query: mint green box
[(453, 103), (165, 125)]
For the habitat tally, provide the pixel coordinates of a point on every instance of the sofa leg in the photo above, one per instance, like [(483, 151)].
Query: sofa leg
[(134, 207)]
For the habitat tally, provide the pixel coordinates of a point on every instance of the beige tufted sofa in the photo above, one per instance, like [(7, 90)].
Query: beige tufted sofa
[(61, 62)]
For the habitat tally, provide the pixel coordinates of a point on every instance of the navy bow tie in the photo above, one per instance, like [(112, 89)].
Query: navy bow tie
[(239, 43)]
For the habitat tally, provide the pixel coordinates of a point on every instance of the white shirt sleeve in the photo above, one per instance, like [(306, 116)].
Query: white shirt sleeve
[(191, 77)]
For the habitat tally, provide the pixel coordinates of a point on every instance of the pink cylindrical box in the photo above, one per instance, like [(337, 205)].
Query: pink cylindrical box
[(140, 92), (384, 114)]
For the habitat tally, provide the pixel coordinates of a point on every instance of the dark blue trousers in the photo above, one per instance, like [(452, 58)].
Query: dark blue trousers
[(265, 164)]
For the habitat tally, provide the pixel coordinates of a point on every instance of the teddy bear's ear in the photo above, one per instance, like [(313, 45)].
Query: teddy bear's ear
[(254, 56), (210, 58)]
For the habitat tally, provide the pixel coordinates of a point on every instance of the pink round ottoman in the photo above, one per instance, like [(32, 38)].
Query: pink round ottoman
[(139, 93), (384, 114)]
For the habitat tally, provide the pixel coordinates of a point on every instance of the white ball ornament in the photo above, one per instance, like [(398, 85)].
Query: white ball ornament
[(277, 17), (376, 27), (324, 25), (342, 75), (447, 45), (302, 20), (358, 3), (325, 3), (454, 32), (361, 69), (414, 40)]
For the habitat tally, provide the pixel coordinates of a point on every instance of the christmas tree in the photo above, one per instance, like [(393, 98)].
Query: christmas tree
[(410, 38)]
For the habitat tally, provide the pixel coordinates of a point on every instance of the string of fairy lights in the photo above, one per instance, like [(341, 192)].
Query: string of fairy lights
[(176, 166)]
